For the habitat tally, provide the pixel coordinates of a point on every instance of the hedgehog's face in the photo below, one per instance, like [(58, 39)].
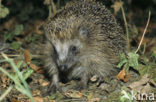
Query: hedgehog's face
[(68, 51)]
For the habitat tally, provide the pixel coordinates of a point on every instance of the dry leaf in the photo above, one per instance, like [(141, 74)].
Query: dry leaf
[(43, 82), (27, 56), (116, 6), (126, 78), (36, 92), (14, 100), (147, 88), (34, 67), (37, 99), (5, 80), (144, 80), (121, 75), (94, 100), (142, 85), (94, 78), (40, 71), (73, 94), (104, 86)]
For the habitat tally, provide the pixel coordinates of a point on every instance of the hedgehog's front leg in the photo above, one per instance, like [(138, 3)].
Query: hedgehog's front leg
[(83, 82), (54, 84)]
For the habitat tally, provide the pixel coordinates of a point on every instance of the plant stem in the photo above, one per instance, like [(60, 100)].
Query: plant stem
[(149, 16), (50, 10), (126, 26)]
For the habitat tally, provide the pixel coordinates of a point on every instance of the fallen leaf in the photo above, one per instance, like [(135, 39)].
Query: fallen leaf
[(94, 100), (43, 82), (27, 56), (147, 88), (52, 101), (126, 78), (34, 67), (14, 100), (40, 71), (36, 92), (37, 99), (144, 80), (104, 86), (73, 94), (123, 76), (5, 80), (94, 78)]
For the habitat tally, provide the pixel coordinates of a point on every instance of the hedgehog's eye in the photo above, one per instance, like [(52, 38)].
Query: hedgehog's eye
[(73, 49)]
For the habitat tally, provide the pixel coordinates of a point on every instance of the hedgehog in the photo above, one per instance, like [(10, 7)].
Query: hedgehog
[(83, 39)]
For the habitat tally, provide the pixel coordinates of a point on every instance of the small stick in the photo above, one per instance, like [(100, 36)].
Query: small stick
[(144, 32), (34, 56), (5, 93)]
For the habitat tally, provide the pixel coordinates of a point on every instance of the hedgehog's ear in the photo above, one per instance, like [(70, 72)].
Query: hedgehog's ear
[(83, 31), (46, 33)]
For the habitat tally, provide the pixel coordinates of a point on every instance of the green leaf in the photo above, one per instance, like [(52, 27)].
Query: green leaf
[(17, 31), (3, 11), (143, 69), (9, 36), (133, 60), (15, 45), (123, 60), (27, 73), (19, 28)]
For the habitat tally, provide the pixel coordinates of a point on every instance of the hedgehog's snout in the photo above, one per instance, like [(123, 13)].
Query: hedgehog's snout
[(63, 67)]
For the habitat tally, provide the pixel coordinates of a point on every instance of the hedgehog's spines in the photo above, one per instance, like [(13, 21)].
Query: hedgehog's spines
[(99, 50)]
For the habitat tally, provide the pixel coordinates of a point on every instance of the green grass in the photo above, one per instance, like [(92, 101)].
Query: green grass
[(18, 78)]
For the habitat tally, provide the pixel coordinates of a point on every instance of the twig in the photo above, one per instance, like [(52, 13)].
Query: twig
[(74, 99), (6, 93), (144, 32), (126, 26), (34, 56)]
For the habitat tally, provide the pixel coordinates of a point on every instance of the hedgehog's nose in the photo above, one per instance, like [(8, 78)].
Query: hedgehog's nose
[(63, 67)]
